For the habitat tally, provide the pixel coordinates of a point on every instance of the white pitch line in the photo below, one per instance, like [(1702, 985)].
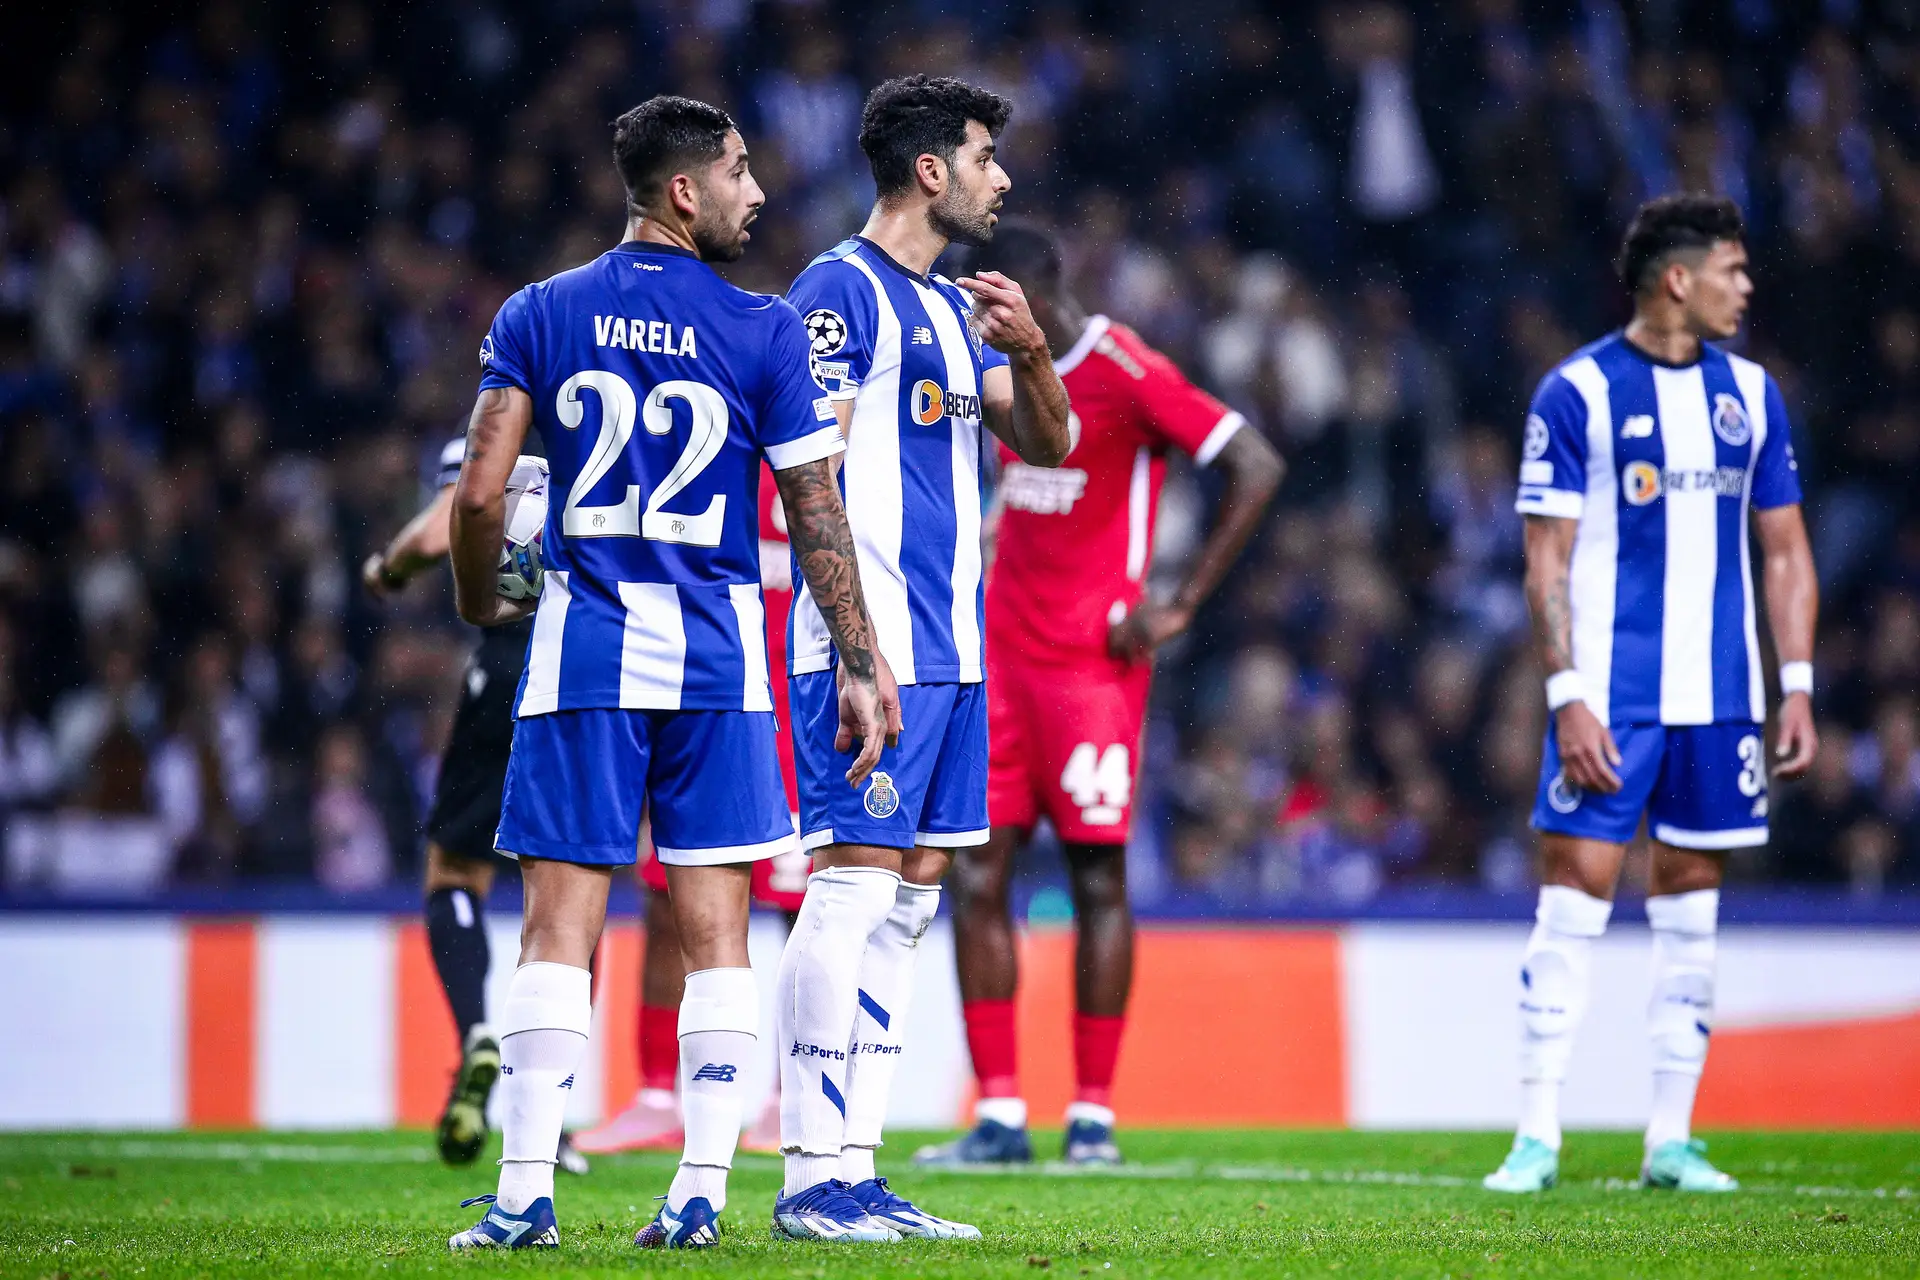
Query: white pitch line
[(1170, 1171)]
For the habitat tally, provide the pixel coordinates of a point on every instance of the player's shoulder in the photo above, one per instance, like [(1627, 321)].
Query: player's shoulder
[(1565, 382), (1126, 350), (837, 267), (1742, 368)]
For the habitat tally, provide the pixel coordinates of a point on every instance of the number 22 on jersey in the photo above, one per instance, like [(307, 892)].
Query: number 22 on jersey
[(626, 519)]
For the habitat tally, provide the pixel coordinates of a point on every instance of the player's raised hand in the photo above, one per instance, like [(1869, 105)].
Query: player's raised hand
[(1796, 741), (1588, 755), (1001, 315)]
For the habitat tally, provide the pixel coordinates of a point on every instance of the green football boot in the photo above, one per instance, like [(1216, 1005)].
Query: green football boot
[(1531, 1166), (1682, 1166)]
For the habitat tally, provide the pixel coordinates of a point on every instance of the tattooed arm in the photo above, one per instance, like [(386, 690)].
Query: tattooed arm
[(495, 433), (1587, 751), (823, 544)]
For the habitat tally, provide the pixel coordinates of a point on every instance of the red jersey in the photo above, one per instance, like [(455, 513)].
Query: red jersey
[(1074, 542)]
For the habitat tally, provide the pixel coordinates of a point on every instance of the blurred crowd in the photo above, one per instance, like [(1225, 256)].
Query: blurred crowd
[(247, 253)]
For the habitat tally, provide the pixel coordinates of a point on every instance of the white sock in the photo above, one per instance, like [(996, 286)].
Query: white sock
[(856, 1165), (1554, 975), (719, 1024), (1090, 1111), (549, 1010), (1540, 1111), (1680, 1011), (886, 992), (817, 994), (1011, 1112)]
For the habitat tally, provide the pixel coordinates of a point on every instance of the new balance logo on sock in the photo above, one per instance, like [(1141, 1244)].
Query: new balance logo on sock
[(567, 1083), (721, 1072)]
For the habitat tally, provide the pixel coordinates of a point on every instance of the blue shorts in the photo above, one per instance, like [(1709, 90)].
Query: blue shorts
[(930, 790), (1701, 787), (578, 782)]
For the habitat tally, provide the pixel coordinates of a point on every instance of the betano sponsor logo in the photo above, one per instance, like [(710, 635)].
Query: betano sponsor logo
[(932, 402), (1642, 482)]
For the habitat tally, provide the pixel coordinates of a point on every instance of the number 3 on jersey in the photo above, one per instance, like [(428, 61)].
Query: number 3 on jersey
[(625, 519), (1099, 782)]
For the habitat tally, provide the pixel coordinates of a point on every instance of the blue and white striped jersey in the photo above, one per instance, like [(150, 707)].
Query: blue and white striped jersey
[(1659, 464), (899, 345), (652, 593)]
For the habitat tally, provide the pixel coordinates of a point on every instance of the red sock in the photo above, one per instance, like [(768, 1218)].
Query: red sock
[(990, 1036), (659, 1047), (1096, 1051)]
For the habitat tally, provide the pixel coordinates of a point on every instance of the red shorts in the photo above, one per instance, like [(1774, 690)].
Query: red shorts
[(778, 882), (1066, 746)]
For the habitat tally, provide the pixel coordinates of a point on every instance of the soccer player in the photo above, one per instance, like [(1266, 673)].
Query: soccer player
[(460, 827), (912, 374), (1071, 637), (1644, 455), (651, 1122), (657, 388)]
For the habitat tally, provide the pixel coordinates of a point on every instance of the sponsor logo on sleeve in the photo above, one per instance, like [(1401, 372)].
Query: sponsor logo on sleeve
[(1539, 471)]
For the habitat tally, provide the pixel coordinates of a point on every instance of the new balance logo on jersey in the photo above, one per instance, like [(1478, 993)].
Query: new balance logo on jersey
[(719, 1072), (922, 336), (1637, 427)]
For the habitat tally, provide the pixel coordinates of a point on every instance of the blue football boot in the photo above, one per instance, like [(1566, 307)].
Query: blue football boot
[(534, 1229), (1089, 1144), (825, 1211), (696, 1226), (990, 1142), (903, 1216)]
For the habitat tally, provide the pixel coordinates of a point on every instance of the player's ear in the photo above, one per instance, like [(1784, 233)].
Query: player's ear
[(683, 193), (932, 173)]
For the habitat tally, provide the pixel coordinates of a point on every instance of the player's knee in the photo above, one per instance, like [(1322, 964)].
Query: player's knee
[(447, 870), (1099, 874), (980, 879)]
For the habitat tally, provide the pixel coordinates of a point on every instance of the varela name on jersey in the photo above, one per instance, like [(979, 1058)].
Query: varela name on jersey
[(1659, 464), (657, 387), (901, 348)]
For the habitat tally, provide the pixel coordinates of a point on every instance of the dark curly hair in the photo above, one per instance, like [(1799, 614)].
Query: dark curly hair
[(1675, 224), (663, 136), (913, 116)]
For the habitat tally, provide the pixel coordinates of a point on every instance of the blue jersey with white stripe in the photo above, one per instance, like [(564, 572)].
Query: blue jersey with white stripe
[(1659, 464), (900, 347), (657, 386)]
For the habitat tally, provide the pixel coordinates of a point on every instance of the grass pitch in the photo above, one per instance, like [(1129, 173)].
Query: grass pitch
[(1241, 1203)]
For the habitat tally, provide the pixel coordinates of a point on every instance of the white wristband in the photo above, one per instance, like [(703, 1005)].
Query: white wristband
[(1564, 687), (1796, 677)]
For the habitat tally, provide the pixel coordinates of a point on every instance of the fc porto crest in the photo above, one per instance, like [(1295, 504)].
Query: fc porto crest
[(1730, 420), (1563, 795), (883, 798)]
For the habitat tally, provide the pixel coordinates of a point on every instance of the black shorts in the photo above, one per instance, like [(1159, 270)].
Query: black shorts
[(466, 803)]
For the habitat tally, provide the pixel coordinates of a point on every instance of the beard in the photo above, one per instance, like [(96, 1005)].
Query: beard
[(718, 241), (960, 222)]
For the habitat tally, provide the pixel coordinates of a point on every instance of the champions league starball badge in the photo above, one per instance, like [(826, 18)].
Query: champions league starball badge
[(883, 798)]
